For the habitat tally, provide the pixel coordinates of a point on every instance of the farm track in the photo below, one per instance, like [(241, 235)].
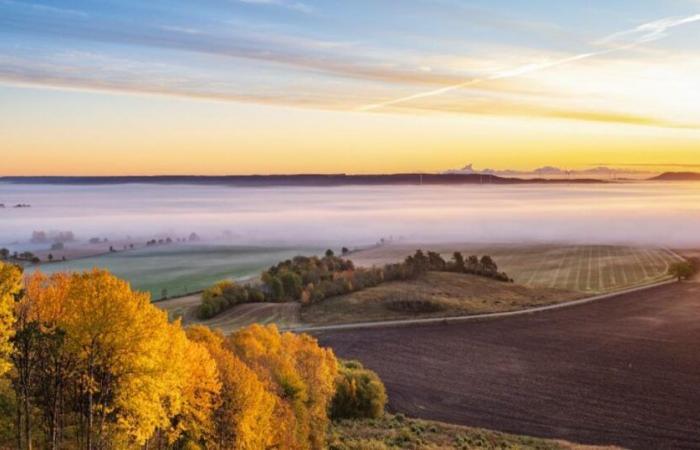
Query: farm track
[(623, 371)]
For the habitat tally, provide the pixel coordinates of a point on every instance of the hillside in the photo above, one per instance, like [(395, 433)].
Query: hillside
[(678, 176), (435, 294)]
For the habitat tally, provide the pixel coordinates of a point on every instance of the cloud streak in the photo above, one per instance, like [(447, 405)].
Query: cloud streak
[(641, 34), (296, 6)]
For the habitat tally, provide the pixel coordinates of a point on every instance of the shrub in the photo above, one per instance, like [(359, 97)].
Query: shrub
[(255, 295), (684, 270), (359, 393)]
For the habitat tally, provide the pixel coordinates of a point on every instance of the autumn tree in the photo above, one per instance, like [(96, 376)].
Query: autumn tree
[(244, 414), (43, 366), (120, 341), (193, 371), (97, 364), (298, 371), (10, 286)]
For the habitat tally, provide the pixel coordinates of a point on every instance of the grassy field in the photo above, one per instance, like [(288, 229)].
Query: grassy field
[(590, 269), (397, 432), (435, 294), (180, 270)]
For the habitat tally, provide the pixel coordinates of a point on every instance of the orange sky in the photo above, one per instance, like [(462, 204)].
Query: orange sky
[(77, 133)]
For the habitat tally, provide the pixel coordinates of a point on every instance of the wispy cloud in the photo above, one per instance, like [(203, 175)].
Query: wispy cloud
[(225, 60), (296, 6), (45, 8), (641, 34)]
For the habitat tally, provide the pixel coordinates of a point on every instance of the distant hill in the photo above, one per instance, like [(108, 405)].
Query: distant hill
[(678, 176), (296, 180)]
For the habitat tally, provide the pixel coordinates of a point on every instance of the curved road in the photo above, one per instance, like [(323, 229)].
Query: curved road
[(623, 371)]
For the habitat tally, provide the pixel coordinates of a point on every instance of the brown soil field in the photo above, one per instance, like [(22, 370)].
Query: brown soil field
[(592, 269), (623, 371), (436, 294)]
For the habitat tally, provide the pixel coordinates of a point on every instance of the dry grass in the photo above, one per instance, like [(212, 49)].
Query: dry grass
[(397, 432), (284, 315), (436, 294)]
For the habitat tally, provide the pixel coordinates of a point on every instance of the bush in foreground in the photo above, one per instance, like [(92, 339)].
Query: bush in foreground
[(360, 393)]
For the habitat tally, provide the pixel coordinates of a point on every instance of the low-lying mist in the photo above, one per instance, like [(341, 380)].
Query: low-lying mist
[(635, 213)]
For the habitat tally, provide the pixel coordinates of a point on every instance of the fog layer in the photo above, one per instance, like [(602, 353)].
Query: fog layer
[(647, 213)]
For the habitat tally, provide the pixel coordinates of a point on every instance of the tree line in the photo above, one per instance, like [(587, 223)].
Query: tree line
[(87, 363), (312, 279)]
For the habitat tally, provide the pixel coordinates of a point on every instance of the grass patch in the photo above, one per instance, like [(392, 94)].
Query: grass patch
[(398, 432)]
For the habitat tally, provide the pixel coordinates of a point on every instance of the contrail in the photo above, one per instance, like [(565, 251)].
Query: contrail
[(647, 32)]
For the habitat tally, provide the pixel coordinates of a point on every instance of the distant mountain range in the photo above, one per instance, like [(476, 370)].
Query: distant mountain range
[(550, 172), (297, 180), (678, 176)]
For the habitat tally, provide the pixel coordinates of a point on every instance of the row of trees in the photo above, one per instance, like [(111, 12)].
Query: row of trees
[(6, 255), (313, 279), (88, 363)]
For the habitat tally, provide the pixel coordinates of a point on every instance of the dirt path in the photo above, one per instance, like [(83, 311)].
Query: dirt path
[(624, 371)]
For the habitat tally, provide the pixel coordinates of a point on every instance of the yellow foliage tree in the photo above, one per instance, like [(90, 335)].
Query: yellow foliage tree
[(244, 417), (119, 338), (199, 391), (10, 285), (300, 372), (91, 354)]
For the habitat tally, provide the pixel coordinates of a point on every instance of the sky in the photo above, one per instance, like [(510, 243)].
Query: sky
[(284, 86)]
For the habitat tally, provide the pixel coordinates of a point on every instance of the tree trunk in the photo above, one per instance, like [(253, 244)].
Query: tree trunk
[(88, 438), (18, 430)]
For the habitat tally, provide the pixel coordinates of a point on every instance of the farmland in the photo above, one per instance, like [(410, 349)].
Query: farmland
[(285, 315), (620, 371), (442, 293), (591, 269), (183, 269), (544, 274)]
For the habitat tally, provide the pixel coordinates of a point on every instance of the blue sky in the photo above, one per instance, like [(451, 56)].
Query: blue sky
[(389, 57)]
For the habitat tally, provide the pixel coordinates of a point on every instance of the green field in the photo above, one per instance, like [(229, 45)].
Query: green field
[(589, 269), (182, 269)]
